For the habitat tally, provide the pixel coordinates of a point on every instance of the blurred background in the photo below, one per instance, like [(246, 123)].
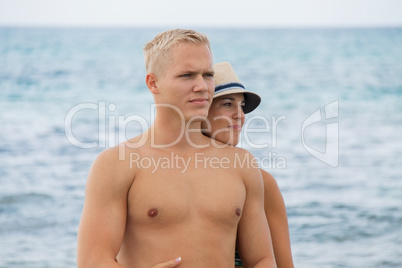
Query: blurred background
[(71, 71)]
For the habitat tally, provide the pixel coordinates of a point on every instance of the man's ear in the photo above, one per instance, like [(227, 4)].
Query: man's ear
[(152, 83)]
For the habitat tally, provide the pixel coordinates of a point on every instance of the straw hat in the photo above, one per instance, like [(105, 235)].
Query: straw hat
[(227, 82)]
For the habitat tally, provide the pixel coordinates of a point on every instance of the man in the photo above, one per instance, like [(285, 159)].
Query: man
[(173, 192)]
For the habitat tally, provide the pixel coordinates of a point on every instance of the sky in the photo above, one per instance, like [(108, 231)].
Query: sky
[(209, 13)]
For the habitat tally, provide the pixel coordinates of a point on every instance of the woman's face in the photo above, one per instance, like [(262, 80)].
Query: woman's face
[(226, 117)]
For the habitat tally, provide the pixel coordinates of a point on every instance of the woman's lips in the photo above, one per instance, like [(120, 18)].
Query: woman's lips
[(236, 127)]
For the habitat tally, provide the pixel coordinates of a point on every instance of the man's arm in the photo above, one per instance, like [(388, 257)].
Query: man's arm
[(104, 215), (254, 239)]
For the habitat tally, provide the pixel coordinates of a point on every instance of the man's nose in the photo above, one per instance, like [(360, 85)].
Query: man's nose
[(200, 84)]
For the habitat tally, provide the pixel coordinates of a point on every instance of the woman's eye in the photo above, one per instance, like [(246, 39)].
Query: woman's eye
[(227, 104)]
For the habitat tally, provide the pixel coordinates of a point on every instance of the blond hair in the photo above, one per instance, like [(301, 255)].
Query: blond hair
[(157, 52)]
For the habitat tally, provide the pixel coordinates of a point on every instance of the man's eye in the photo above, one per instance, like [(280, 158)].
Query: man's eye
[(227, 104)]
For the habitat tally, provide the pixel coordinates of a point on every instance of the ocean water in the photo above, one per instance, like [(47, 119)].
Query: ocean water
[(328, 129)]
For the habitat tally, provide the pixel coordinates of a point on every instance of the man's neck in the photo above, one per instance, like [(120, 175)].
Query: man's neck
[(176, 134)]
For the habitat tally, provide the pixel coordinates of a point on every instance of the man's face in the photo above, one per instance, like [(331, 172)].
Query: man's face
[(188, 82)]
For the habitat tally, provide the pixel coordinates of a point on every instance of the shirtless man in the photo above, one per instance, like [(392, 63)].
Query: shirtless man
[(192, 204)]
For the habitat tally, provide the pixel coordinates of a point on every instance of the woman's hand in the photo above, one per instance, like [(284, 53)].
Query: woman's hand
[(168, 264)]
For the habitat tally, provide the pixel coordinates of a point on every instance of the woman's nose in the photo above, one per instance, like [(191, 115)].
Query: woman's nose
[(239, 113)]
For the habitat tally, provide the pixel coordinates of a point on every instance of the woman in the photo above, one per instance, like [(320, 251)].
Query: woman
[(226, 118)]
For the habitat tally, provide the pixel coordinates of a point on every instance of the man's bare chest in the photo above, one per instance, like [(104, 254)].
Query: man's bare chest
[(169, 195)]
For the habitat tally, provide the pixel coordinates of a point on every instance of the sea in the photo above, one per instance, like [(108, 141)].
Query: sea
[(328, 129)]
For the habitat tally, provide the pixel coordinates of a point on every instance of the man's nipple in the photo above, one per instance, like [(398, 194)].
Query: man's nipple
[(152, 212), (238, 211)]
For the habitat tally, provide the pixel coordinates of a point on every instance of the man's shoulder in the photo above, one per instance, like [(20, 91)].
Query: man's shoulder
[(119, 154), (114, 164), (239, 159), (235, 151), (108, 159)]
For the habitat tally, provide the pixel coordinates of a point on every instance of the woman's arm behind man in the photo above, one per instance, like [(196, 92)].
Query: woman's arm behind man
[(275, 211)]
